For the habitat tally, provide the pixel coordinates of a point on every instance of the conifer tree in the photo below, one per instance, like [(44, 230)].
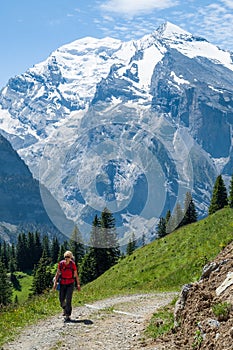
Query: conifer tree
[(46, 246), (177, 216), (55, 248), (63, 248), (104, 250), (38, 248), (22, 252), (76, 245), (90, 267), (12, 265), (190, 214), (5, 287), (231, 193), (109, 237), (219, 197), (168, 220), (31, 251), (161, 228), (131, 246), (5, 256), (42, 277)]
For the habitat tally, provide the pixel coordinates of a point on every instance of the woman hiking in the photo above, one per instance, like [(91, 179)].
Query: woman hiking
[(67, 273)]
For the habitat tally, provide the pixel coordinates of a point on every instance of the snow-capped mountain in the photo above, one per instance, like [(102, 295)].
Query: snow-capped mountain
[(128, 125)]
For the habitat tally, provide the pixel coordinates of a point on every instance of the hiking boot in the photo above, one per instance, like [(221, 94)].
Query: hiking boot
[(67, 318)]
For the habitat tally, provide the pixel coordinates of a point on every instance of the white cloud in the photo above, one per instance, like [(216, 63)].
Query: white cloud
[(215, 22), (228, 3), (210, 20), (135, 7)]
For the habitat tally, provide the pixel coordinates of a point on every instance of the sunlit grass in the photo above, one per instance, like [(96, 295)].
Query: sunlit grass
[(161, 322), (164, 265), (25, 282)]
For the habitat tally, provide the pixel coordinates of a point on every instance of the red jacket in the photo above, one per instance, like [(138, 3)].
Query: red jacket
[(67, 271)]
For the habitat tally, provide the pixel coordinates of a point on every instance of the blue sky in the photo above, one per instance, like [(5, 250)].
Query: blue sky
[(32, 29)]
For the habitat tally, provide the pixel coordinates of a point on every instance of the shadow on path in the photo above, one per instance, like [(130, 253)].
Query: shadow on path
[(86, 322)]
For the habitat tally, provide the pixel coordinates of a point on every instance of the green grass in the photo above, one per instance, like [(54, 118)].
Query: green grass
[(163, 265), (24, 290), (168, 263), (222, 310), (161, 322)]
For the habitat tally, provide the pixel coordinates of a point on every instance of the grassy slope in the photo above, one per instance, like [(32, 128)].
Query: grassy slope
[(163, 265), (170, 262)]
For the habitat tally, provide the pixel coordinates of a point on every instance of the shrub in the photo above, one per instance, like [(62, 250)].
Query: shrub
[(222, 310)]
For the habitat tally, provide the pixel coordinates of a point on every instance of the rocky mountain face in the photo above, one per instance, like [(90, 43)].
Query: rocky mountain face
[(128, 125), (21, 206), (204, 311)]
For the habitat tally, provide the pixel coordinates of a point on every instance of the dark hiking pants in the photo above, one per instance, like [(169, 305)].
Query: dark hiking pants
[(65, 297)]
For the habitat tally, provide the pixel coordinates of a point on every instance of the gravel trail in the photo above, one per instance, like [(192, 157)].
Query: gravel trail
[(110, 324)]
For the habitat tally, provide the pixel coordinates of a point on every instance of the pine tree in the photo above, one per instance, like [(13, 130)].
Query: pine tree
[(76, 245), (31, 251), (177, 217), (38, 248), (89, 268), (5, 287), (12, 265), (46, 246), (168, 220), (109, 237), (63, 248), (42, 277), (104, 250), (230, 200), (91, 264), (5, 256), (219, 197), (131, 246), (190, 214), (22, 252), (161, 228), (55, 248)]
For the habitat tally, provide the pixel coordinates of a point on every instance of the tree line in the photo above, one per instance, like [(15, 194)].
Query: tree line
[(181, 217), (39, 254)]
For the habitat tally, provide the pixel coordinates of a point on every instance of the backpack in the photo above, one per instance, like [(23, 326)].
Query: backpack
[(67, 272)]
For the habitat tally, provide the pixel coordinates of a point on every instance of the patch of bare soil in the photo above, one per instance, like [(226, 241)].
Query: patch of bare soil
[(204, 311)]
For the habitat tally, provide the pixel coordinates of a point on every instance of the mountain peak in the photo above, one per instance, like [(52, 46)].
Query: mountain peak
[(170, 30)]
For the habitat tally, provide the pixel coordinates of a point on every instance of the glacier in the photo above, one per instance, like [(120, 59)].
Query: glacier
[(131, 126)]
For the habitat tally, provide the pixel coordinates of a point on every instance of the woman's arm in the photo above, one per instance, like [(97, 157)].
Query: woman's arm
[(77, 280), (56, 279)]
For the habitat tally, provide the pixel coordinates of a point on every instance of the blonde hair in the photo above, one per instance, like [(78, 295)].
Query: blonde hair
[(68, 252)]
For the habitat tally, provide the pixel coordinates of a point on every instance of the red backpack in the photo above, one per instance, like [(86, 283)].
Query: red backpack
[(67, 272)]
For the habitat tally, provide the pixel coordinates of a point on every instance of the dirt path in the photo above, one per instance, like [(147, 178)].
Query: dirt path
[(111, 324)]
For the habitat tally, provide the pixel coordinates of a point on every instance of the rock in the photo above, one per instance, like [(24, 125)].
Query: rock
[(180, 304), (231, 332), (226, 283), (208, 269)]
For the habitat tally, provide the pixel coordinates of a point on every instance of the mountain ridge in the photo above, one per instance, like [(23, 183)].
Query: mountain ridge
[(21, 207), (167, 96)]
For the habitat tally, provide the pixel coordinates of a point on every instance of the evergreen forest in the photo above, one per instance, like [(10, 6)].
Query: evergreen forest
[(38, 255)]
